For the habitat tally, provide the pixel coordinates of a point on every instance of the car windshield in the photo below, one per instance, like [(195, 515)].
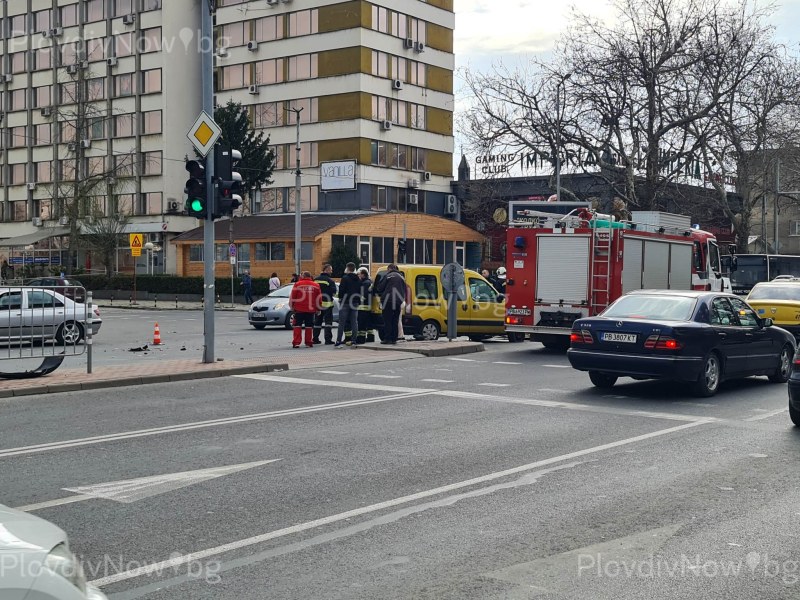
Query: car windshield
[(776, 292), (659, 308), (282, 292)]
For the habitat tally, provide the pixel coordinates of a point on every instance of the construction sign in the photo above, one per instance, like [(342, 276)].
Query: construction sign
[(136, 244)]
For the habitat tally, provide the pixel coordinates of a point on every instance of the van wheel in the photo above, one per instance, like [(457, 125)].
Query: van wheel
[(430, 330)]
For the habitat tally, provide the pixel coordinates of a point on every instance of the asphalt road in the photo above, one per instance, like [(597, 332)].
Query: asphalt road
[(496, 475)]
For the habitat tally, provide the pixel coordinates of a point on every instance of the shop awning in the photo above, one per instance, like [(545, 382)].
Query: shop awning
[(32, 238)]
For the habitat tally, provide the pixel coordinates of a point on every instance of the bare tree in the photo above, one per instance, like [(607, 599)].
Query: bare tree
[(622, 100)]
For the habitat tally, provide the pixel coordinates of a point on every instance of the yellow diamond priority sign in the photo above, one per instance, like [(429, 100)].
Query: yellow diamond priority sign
[(204, 133), (136, 244)]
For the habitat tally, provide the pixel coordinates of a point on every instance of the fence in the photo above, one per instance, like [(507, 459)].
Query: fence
[(47, 323)]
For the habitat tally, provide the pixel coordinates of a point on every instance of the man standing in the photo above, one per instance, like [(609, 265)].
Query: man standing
[(305, 302), (365, 307), (324, 317), (247, 283), (349, 301), (392, 290)]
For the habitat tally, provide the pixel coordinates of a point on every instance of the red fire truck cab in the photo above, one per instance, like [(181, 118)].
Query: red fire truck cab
[(565, 261)]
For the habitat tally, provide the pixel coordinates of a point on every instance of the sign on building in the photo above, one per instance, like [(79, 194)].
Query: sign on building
[(337, 175)]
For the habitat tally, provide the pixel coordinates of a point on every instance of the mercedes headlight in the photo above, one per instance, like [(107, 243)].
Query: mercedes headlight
[(63, 562)]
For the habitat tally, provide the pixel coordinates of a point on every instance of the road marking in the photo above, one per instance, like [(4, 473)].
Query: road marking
[(439, 380), (464, 359), (555, 391), (501, 362), (132, 490), (495, 384), (558, 366), (344, 384), (336, 372), (768, 415), (100, 439), (385, 376), (300, 527)]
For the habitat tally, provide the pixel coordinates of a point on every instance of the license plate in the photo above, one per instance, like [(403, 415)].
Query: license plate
[(628, 338), (524, 312), (259, 316)]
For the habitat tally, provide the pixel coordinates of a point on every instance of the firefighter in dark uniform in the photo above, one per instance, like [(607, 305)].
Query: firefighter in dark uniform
[(365, 308), (324, 317)]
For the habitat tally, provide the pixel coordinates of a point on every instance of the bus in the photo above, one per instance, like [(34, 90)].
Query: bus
[(746, 270)]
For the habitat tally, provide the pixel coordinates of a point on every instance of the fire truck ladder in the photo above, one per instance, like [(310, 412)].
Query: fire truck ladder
[(602, 245)]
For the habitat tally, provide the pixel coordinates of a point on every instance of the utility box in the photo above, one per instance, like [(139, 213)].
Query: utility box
[(651, 220)]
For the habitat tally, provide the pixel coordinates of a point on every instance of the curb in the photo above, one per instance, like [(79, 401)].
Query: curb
[(142, 379), (435, 350)]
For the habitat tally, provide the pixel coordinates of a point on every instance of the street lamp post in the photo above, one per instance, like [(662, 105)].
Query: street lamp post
[(558, 135), (298, 243)]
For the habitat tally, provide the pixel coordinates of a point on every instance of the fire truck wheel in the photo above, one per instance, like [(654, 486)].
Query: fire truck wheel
[(781, 375), (708, 382), (430, 330), (602, 380), (515, 337)]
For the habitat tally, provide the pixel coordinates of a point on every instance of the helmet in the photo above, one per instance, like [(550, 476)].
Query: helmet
[(501, 272), (364, 271)]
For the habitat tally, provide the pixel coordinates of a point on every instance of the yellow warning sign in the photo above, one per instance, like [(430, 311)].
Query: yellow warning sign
[(136, 244)]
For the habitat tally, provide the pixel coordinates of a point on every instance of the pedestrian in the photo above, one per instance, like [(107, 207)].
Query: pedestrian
[(486, 275), (392, 290), (5, 271), (498, 280), (365, 308), (274, 282), (294, 278), (401, 335), (349, 301), (324, 318), (247, 283), (304, 300)]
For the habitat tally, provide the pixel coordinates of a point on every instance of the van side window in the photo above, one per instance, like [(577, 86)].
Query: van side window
[(426, 287), (482, 291)]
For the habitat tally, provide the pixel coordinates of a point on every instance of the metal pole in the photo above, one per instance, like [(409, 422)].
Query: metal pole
[(558, 141), (88, 320), (775, 207), (298, 243), (207, 79), (231, 259)]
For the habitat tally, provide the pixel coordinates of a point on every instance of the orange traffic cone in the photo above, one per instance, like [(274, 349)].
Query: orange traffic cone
[(156, 336)]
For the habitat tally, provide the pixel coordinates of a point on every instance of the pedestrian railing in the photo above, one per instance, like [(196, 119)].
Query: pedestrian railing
[(46, 322)]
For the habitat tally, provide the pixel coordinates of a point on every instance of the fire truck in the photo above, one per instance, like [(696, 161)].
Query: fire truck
[(565, 261)]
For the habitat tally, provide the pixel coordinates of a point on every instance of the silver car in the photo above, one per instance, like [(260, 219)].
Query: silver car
[(41, 314), (36, 562), (273, 309)]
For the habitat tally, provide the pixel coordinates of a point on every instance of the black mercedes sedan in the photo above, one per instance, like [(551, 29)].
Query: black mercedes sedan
[(694, 336)]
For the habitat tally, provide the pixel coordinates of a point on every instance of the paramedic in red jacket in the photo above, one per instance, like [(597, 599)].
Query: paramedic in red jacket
[(305, 301)]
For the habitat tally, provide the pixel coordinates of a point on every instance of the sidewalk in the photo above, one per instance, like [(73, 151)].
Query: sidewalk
[(165, 304), (164, 371)]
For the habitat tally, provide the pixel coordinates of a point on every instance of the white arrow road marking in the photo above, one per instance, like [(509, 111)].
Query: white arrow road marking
[(495, 384), (501, 362), (264, 537), (133, 490), (438, 380), (558, 366), (768, 415)]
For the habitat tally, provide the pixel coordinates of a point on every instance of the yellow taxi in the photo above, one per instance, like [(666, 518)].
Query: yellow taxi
[(778, 300), (480, 316)]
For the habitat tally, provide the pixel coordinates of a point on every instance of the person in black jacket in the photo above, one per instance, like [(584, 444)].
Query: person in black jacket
[(365, 307), (392, 290), (324, 317), (349, 301)]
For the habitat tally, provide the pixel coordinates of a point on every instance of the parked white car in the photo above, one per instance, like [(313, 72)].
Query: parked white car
[(36, 562), (40, 314)]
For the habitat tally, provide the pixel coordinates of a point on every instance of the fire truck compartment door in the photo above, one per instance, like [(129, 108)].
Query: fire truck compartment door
[(562, 268), (655, 274), (680, 266)]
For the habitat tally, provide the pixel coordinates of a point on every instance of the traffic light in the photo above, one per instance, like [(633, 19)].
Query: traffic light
[(401, 250), (196, 190), (229, 181)]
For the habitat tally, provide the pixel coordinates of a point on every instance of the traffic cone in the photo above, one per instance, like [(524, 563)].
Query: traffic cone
[(156, 336)]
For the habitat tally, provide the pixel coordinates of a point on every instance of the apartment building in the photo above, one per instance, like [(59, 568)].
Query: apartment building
[(97, 97)]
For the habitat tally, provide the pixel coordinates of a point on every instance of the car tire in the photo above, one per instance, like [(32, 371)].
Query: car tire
[(430, 330), (288, 322), (708, 382), (69, 333), (259, 325), (602, 380), (794, 415), (784, 370), (515, 337)]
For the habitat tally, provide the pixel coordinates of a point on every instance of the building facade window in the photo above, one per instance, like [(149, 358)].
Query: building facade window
[(123, 7), (17, 61), (147, 5), (124, 85), (18, 136), (94, 10), (151, 122), (68, 15), (303, 22), (273, 251), (16, 26), (17, 99), (42, 59), (150, 40), (123, 125), (268, 29), (42, 135), (95, 49), (96, 89), (17, 174), (196, 253), (42, 20), (151, 163)]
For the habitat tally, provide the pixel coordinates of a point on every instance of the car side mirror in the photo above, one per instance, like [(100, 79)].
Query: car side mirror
[(767, 322)]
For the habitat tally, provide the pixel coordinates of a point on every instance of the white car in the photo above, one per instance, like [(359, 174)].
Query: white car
[(40, 314), (36, 562)]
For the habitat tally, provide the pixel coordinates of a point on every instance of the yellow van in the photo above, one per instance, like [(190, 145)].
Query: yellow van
[(480, 316)]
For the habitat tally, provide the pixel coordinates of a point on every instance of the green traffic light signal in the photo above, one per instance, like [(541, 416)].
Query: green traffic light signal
[(196, 205)]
